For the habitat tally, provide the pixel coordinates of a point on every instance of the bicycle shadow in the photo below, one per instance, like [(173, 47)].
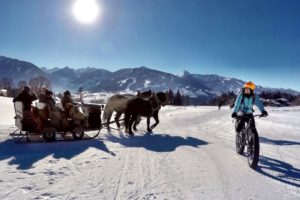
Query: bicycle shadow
[(277, 142), (25, 155), (279, 171), (156, 142)]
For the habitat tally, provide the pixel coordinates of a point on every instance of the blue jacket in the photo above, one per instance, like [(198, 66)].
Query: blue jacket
[(247, 106)]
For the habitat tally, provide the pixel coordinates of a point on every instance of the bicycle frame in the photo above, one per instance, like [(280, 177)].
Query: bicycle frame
[(248, 136), (246, 128)]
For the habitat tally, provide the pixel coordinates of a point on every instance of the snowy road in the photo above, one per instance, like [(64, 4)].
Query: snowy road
[(190, 155)]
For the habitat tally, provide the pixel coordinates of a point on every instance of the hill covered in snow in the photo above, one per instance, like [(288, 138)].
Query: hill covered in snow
[(203, 87)]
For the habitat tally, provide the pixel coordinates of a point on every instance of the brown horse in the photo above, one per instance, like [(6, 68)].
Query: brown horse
[(118, 103), (144, 107)]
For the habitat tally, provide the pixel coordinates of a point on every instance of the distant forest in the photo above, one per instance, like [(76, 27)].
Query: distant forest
[(230, 97), (176, 98)]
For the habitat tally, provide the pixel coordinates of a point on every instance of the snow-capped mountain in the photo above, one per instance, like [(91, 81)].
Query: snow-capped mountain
[(49, 71), (65, 72), (62, 77), (219, 84), (198, 86), (143, 78), (18, 70), (89, 77)]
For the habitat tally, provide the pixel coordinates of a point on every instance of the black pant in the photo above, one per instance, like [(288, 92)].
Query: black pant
[(241, 122)]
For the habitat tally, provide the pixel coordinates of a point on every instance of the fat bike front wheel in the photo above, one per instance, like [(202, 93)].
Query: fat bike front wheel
[(253, 149)]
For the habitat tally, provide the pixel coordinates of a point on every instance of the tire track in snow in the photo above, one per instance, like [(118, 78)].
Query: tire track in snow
[(119, 189), (188, 121)]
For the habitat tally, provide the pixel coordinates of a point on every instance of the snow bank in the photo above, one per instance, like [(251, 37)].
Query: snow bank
[(6, 112)]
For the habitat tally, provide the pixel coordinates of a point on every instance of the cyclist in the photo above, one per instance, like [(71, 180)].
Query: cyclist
[(244, 102)]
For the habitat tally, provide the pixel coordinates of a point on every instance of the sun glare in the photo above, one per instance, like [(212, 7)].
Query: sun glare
[(86, 11)]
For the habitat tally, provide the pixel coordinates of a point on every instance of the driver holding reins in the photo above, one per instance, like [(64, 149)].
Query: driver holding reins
[(244, 102)]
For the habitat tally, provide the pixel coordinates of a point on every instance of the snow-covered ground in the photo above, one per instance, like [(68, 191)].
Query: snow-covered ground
[(190, 155)]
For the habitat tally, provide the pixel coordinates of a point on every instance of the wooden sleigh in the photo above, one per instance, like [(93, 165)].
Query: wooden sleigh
[(87, 125)]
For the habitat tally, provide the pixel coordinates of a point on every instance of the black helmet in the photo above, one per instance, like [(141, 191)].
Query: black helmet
[(67, 93), (48, 93), (26, 88)]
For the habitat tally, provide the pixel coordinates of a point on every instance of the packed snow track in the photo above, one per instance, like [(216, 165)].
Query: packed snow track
[(190, 155)]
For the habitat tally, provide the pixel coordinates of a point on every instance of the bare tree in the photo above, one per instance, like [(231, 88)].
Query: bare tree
[(37, 82), (22, 84), (6, 83)]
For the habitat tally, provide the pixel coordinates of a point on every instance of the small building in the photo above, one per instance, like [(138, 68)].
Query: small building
[(283, 101), (271, 102), (3, 92)]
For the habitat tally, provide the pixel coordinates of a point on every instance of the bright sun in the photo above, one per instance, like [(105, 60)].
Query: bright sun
[(86, 11)]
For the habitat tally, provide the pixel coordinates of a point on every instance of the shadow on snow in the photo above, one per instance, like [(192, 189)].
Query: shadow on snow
[(156, 142), (25, 155), (279, 170), (277, 142)]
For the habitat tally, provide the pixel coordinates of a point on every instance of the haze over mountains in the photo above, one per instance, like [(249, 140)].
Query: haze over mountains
[(128, 79)]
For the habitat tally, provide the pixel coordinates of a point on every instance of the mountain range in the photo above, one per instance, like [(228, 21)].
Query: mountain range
[(203, 87)]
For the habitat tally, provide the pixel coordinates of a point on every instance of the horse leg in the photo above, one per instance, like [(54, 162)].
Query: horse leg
[(127, 122), (134, 126), (155, 116), (117, 117), (108, 120), (136, 122), (148, 125), (132, 120)]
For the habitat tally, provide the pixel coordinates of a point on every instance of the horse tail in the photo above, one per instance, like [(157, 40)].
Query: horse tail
[(107, 112)]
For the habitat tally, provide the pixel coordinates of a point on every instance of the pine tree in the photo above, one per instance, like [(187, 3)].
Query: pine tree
[(171, 97), (178, 99)]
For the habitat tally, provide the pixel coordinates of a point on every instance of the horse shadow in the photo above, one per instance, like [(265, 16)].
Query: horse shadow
[(25, 155), (277, 142), (279, 171), (156, 142)]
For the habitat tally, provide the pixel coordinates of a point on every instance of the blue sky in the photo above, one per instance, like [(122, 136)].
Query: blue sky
[(256, 40)]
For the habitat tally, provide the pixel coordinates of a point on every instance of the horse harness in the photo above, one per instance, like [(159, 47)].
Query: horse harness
[(155, 100)]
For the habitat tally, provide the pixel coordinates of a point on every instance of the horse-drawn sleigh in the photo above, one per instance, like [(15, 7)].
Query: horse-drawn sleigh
[(84, 121), (56, 126)]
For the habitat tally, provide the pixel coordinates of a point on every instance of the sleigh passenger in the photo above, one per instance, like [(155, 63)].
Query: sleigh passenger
[(26, 96)]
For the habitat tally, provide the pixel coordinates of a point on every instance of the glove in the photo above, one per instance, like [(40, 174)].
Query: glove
[(264, 113), (234, 115)]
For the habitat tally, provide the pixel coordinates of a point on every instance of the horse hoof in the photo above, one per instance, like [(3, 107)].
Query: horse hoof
[(149, 130), (131, 133)]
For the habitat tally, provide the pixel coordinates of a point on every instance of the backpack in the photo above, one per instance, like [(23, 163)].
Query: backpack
[(243, 97)]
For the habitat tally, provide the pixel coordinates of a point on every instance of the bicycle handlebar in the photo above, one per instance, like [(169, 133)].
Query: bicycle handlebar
[(261, 115)]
